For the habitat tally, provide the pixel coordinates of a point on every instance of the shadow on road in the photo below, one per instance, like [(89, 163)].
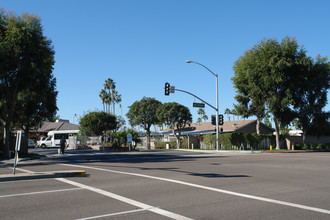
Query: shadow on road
[(50, 156)]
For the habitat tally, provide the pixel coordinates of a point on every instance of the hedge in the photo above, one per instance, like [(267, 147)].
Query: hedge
[(173, 145), (230, 141)]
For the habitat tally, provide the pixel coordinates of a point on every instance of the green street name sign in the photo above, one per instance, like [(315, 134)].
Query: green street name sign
[(198, 105)]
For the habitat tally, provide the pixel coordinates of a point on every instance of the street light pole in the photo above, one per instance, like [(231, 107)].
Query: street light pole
[(217, 101)]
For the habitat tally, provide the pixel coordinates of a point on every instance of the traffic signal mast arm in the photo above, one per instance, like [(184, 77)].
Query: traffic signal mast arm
[(196, 98)]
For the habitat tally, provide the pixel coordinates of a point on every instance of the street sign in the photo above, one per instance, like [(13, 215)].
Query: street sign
[(172, 89), (198, 105), (129, 138)]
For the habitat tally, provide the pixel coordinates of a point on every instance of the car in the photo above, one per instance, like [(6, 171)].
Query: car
[(31, 143)]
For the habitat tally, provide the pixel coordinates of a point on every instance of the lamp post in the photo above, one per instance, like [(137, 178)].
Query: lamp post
[(217, 101)]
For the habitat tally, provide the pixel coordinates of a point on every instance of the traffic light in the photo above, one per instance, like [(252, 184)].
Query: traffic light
[(220, 119), (213, 120), (167, 88)]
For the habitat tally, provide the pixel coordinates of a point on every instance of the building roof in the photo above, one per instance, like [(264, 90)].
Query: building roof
[(207, 127), (59, 125)]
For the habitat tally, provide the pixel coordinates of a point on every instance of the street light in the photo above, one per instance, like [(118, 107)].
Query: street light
[(217, 103)]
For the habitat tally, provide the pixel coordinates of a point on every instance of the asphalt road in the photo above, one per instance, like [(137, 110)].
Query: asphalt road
[(171, 185)]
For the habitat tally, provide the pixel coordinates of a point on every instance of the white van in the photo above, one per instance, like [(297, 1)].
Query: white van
[(54, 137)]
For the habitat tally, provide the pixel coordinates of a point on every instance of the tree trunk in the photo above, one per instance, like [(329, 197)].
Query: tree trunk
[(304, 136), (178, 142), (6, 133), (25, 142), (258, 125), (148, 139), (178, 136), (277, 134)]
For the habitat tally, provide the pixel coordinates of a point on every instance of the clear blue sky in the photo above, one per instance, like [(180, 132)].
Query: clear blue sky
[(141, 44)]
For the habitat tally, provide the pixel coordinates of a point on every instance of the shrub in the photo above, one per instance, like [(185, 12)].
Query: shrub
[(209, 140), (303, 148), (162, 144), (320, 147), (238, 140)]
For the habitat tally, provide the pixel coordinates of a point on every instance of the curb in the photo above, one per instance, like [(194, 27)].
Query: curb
[(285, 152), (250, 152), (42, 175)]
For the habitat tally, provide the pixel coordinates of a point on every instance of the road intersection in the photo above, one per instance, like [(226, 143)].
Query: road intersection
[(172, 185)]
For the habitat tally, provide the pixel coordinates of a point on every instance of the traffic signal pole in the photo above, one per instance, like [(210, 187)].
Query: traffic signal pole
[(217, 110), (217, 103), (180, 90)]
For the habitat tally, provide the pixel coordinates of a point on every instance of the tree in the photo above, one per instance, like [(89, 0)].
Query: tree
[(120, 124), (116, 98), (144, 114), (310, 93), (96, 123), (234, 113), (267, 120), (103, 96), (32, 108), (26, 61), (250, 95), (109, 96), (202, 114), (267, 77), (227, 112), (176, 116), (280, 64), (121, 137)]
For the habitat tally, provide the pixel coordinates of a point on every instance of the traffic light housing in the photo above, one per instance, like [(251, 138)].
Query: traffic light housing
[(213, 120), (220, 119), (167, 88)]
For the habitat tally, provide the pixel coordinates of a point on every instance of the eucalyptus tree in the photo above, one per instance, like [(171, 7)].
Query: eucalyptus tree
[(310, 94), (26, 65), (32, 108), (271, 77), (176, 116), (250, 95), (144, 113)]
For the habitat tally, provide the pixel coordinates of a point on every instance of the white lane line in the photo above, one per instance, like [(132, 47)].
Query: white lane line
[(114, 214), (40, 192), (24, 170), (211, 189), (126, 200)]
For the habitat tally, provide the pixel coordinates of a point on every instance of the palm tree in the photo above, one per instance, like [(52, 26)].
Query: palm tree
[(116, 98), (234, 113), (109, 96), (109, 87), (102, 95), (201, 112), (227, 112)]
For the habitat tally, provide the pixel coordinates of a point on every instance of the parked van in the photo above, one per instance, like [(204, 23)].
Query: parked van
[(54, 137)]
